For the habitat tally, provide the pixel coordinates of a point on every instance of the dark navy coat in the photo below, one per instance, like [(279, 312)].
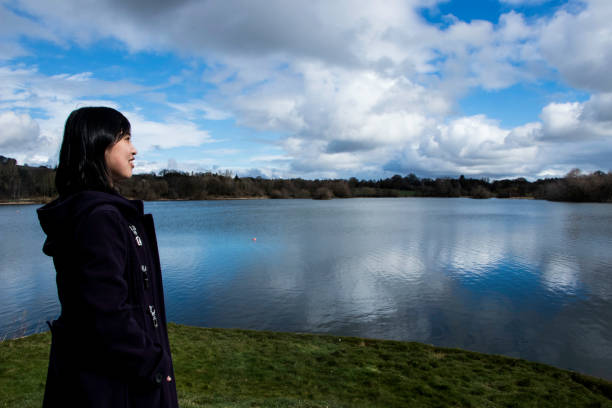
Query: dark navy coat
[(110, 343)]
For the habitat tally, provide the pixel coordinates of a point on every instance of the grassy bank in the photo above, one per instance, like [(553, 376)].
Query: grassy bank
[(238, 368)]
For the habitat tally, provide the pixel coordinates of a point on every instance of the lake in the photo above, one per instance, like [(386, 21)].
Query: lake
[(522, 278)]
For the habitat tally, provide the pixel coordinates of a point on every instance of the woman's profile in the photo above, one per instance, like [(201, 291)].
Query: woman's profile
[(110, 343)]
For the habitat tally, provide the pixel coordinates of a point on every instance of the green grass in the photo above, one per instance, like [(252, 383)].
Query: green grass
[(240, 368)]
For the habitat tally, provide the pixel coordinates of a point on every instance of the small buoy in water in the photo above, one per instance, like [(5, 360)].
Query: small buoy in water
[(254, 239)]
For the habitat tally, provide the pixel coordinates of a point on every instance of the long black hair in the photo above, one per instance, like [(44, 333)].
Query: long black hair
[(87, 134)]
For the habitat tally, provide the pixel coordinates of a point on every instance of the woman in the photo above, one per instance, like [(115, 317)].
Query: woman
[(110, 344)]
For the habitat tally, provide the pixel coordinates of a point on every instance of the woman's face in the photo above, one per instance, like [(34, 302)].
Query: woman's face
[(119, 158)]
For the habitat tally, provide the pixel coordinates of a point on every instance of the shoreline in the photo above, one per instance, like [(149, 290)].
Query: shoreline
[(42, 201), (25, 202), (237, 368)]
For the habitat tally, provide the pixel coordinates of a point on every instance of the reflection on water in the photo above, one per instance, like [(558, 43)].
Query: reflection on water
[(521, 278), (27, 279)]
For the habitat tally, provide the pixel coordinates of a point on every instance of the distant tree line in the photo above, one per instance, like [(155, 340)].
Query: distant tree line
[(37, 183), (25, 182)]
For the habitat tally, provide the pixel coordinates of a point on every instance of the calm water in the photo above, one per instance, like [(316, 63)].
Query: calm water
[(529, 279)]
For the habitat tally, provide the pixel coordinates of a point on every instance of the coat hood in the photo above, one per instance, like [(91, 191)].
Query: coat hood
[(59, 217)]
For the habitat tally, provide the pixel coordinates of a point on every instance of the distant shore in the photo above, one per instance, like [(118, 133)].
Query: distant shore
[(25, 202), (42, 201), (35, 185)]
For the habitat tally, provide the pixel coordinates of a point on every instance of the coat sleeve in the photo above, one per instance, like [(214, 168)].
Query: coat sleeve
[(127, 349)]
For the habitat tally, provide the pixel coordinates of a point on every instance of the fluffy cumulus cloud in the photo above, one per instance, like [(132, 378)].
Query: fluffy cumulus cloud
[(579, 44), (17, 130), (351, 87), (575, 121)]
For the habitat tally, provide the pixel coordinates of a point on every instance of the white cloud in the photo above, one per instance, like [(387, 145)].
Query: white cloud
[(471, 145), (525, 135), (561, 120), (579, 45), (149, 135), (17, 130), (21, 138), (578, 121), (573, 135), (480, 54), (470, 138)]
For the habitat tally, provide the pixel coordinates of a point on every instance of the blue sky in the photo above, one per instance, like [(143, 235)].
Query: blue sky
[(318, 89)]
